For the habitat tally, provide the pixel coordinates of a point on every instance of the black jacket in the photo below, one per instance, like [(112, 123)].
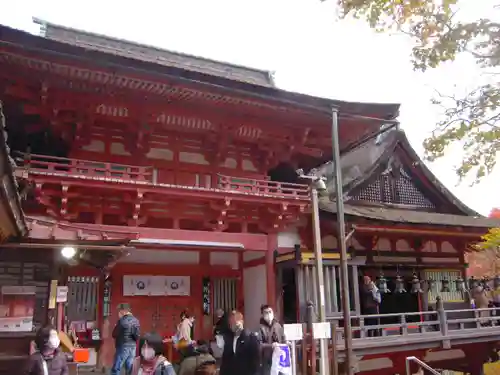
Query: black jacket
[(246, 360), (56, 364), (127, 331), (222, 326)]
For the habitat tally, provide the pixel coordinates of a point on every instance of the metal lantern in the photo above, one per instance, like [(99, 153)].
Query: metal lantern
[(400, 285), (473, 283), (382, 284), (496, 282), (415, 284), (485, 282), (445, 285), (460, 284), (429, 283)]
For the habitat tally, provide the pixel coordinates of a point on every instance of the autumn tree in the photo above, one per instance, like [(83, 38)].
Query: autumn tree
[(441, 34)]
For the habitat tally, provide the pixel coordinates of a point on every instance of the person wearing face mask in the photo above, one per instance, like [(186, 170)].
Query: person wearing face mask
[(126, 334), (271, 334), (241, 355), (151, 360), (48, 359)]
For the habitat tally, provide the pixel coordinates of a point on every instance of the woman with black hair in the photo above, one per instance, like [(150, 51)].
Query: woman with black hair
[(200, 361), (152, 360), (48, 359)]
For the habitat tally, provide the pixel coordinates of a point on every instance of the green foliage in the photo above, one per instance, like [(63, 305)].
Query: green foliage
[(440, 36)]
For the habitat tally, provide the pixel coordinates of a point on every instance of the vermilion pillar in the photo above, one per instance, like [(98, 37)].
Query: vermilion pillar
[(272, 244)]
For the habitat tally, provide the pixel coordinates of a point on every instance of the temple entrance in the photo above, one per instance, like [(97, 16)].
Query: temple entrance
[(289, 296)]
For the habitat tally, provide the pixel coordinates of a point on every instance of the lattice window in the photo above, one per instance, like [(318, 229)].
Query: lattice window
[(397, 188), (408, 193), (371, 193)]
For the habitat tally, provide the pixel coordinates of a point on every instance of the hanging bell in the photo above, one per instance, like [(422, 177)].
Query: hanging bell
[(460, 285), (445, 285), (496, 282), (382, 284), (400, 285), (415, 284)]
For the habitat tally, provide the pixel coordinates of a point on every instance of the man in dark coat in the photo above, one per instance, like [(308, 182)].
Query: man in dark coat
[(126, 334), (370, 301), (222, 324), (241, 354), (271, 334)]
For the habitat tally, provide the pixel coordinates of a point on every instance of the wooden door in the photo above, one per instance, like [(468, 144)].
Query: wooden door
[(160, 314)]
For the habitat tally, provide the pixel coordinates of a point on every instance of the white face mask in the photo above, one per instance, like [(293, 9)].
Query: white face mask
[(269, 317), (148, 353), (54, 342)]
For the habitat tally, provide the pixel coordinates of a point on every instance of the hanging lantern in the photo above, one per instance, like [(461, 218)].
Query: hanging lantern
[(473, 283), (445, 285), (400, 285), (415, 284), (460, 285), (429, 283), (496, 282), (485, 282), (382, 284)]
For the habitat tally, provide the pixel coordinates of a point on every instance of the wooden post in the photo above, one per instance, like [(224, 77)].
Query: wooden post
[(443, 324)]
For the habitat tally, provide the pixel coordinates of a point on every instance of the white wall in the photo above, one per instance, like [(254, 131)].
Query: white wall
[(254, 293)]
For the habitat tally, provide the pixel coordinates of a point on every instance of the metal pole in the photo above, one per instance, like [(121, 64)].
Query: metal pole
[(344, 275), (318, 259), (293, 358)]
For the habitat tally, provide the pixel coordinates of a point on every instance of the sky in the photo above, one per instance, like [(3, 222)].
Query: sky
[(310, 50)]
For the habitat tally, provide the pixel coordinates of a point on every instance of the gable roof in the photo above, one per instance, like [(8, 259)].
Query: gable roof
[(362, 164), (159, 56)]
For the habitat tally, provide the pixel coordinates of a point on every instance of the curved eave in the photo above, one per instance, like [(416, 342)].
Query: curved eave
[(12, 221), (51, 49)]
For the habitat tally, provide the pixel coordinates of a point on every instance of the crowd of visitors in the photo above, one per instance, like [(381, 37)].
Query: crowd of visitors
[(242, 351)]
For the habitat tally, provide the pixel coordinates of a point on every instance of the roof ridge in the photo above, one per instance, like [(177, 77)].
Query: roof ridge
[(44, 24)]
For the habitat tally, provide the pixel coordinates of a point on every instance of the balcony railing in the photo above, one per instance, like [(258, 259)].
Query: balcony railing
[(147, 175), (441, 328)]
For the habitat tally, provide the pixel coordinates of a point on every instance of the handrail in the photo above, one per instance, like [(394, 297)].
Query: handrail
[(421, 364), (148, 175)]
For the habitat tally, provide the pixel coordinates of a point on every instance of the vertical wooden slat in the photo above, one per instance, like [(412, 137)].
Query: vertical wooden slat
[(328, 282), (355, 282), (334, 289)]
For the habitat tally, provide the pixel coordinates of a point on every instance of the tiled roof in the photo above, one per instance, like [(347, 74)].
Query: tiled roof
[(153, 54)]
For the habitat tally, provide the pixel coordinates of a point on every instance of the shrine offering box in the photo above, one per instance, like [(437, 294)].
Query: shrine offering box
[(17, 304)]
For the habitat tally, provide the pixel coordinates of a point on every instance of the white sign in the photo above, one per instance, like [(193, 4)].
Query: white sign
[(322, 330), (62, 294), (144, 285), (293, 332), (177, 286), (18, 290)]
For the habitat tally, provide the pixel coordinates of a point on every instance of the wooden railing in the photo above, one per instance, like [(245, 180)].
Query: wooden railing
[(442, 322), (440, 328), (86, 169), (263, 187)]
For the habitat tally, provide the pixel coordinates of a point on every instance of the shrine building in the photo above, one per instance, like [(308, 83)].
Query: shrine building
[(169, 182)]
